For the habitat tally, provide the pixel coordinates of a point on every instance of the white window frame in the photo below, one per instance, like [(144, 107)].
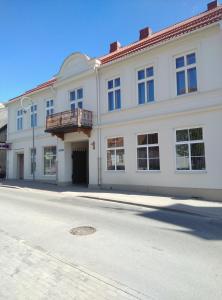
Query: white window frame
[(33, 113), (147, 146), (190, 170), (114, 94), (185, 68), (145, 80), (115, 148), (19, 118), (50, 110), (76, 101)]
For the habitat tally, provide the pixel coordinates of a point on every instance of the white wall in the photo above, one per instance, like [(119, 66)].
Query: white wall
[(202, 108), (167, 176)]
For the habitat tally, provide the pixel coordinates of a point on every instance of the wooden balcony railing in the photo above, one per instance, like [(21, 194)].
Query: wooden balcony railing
[(69, 121)]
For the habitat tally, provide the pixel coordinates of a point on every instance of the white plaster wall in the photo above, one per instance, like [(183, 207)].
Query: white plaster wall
[(89, 93), (163, 116), (168, 176), (209, 66), (24, 146)]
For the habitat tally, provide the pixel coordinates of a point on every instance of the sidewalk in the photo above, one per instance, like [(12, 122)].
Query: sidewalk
[(177, 204), (27, 272)]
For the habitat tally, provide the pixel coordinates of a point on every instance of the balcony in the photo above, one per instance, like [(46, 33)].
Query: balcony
[(77, 120)]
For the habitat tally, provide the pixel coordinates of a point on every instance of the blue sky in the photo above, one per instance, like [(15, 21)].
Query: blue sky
[(36, 35)]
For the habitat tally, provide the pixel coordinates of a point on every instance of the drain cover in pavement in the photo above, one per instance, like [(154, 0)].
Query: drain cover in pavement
[(82, 230)]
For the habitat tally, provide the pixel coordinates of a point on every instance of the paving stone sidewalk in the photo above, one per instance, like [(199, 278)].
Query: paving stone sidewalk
[(29, 273)]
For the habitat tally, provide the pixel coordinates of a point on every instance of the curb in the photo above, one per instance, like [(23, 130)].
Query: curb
[(145, 205)]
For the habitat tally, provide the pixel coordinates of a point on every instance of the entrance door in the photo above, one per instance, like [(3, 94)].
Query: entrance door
[(80, 167), (20, 166)]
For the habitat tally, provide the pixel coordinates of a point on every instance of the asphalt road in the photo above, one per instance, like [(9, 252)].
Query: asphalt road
[(163, 254)]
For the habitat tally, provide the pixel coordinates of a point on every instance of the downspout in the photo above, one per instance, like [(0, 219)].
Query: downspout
[(98, 126)]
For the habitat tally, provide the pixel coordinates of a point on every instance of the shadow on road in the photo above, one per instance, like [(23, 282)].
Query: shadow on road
[(199, 225), (202, 227)]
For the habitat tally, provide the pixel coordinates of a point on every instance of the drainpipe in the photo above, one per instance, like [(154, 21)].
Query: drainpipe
[(98, 125)]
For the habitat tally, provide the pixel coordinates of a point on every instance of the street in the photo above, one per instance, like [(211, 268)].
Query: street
[(152, 253)]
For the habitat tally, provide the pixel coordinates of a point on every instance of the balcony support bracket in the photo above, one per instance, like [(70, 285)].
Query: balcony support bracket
[(61, 135)]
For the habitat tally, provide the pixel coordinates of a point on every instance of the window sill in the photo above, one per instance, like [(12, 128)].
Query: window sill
[(115, 171), (114, 110), (146, 103), (191, 171), (148, 171), (187, 94)]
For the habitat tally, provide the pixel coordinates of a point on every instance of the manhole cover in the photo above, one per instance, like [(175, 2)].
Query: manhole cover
[(82, 230)]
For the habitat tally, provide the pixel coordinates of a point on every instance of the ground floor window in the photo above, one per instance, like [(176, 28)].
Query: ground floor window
[(115, 154), (148, 157), (33, 160), (50, 160), (190, 150)]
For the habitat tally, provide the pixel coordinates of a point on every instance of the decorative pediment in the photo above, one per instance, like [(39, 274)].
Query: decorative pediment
[(75, 64)]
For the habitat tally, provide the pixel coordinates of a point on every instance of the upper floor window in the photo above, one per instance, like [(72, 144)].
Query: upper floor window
[(190, 150), (20, 119), (114, 94), (49, 107), (76, 98), (148, 157), (115, 154), (34, 115), (186, 74), (145, 82)]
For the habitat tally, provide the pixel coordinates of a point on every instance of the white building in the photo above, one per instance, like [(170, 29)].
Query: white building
[(156, 109)]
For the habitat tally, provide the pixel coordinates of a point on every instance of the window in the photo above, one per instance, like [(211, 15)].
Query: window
[(186, 74), (34, 115), (50, 160), (49, 107), (114, 94), (20, 119), (115, 154), (148, 157), (76, 98), (33, 160), (145, 82), (190, 152)]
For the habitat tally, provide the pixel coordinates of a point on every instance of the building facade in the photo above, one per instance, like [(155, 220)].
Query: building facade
[(144, 117)]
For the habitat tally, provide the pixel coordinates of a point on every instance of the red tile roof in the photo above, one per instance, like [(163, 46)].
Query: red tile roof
[(38, 87), (189, 25)]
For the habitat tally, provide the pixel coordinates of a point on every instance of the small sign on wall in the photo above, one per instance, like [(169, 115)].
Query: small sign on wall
[(5, 146)]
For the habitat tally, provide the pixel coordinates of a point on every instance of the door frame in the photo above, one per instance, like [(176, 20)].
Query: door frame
[(86, 162), (20, 165)]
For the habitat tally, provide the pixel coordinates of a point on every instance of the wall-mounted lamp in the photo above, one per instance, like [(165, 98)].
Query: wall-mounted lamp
[(93, 145)]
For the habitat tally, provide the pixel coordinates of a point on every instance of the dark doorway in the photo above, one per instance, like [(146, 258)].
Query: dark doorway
[(20, 166), (80, 166)]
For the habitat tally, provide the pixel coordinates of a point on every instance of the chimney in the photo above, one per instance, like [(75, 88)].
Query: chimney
[(212, 5), (114, 46), (145, 32)]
